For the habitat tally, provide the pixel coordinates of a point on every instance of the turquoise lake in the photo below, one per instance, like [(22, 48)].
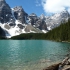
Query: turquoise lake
[(31, 54)]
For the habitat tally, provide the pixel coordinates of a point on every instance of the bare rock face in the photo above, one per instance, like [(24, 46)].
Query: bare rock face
[(7, 16), (20, 26), (37, 22), (20, 14), (41, 24), (5, 12), (57, 19), (33, 18), (31, 28), (2, 32)]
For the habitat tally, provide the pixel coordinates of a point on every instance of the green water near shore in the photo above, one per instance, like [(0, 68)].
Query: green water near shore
[(31, 54)]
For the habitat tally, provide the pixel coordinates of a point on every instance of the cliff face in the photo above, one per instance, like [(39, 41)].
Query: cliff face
[(5, 12), (9, 15), (2, 33), (20, 22), (20, 14)]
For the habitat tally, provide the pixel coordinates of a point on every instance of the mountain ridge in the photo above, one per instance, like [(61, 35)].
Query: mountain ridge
[(15, 21)]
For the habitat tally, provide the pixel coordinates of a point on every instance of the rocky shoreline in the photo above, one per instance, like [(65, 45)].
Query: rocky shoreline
[(52, 67), (64, 65)]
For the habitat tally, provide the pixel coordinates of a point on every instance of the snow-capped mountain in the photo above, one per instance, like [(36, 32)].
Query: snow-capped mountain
[(15, 21), (56, 19)]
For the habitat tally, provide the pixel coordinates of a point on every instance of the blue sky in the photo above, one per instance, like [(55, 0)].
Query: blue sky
[(30, 6), (46, 7)]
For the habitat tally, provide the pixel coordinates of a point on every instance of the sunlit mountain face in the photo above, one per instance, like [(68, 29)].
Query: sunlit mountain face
[(15, 21)]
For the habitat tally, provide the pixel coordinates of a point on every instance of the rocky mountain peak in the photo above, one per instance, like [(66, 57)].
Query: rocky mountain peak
[(20, 14), (64, 13), (42, 16), (56, 19), (33, 15), (5, 12), (2, 1), (18, 8)]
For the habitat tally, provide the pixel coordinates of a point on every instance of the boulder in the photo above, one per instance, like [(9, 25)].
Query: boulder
[(7, 26), (52, 67), (65, 64)]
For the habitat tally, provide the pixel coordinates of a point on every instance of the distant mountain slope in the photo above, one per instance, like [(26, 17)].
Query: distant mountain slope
[(31, 29), (30, 36), (61, 33), (56, 19)]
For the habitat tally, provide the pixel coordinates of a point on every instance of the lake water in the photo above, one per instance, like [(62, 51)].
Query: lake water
[(31, 54)]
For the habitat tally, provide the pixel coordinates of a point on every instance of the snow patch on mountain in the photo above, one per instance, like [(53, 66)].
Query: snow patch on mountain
[(44, 31), (15, 21), (56, 19)]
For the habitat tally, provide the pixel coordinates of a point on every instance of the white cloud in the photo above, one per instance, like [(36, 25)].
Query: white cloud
[(55, 6)]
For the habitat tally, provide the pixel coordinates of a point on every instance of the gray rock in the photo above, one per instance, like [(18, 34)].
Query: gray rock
[(7, 26), (5, 12), (30, 27), (65, 64), (20, 14), (12, 21), (41, 24), (33, 18), (2, 32), (20, 26), (38, 22), (52, 67), (57, 19)]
